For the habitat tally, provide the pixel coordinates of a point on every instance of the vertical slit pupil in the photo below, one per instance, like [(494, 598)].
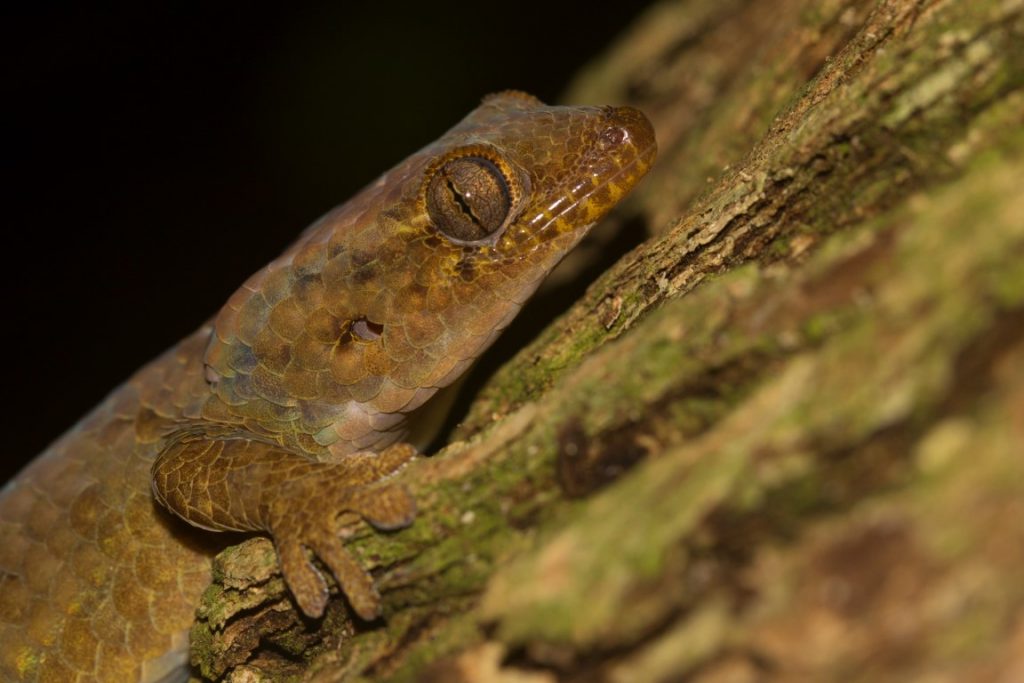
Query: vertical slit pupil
[(461, 201)]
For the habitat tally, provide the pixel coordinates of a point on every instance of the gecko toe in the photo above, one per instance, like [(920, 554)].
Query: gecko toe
[(385, 507), (355, 582), (303, 579)]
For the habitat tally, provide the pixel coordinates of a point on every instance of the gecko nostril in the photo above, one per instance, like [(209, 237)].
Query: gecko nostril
[(611, 138), (636, 129)]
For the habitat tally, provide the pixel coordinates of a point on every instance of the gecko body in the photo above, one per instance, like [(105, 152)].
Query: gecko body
[(291, 406)]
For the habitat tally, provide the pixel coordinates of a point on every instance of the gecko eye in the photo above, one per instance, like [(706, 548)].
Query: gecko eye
[(468, 198)]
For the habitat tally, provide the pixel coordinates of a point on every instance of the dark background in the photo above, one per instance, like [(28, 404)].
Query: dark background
[(156, 156)]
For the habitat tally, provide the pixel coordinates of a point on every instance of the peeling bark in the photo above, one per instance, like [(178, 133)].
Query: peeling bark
[(779, 440)]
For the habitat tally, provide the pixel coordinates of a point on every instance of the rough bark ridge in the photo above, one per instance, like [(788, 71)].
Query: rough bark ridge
[(782, 439)]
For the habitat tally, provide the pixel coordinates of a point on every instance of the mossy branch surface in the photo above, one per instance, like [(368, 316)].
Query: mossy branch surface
[(781, 438)]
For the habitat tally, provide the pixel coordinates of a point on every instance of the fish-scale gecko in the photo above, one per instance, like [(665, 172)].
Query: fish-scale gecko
[(290, 407)]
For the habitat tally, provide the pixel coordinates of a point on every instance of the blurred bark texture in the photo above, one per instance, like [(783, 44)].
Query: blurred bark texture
[(780, 440)]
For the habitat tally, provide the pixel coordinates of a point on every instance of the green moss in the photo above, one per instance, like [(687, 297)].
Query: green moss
[(780, 247), (459, 634)]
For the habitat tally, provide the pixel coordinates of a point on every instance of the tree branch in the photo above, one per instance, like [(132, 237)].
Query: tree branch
[(809, 465)]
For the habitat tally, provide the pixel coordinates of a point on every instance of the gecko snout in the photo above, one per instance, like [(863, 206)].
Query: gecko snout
[(629, 126)]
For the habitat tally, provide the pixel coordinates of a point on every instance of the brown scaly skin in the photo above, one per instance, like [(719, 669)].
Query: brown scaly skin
[(289, 409)]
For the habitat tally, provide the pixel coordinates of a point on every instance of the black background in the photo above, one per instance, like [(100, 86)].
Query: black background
[(155, 156)]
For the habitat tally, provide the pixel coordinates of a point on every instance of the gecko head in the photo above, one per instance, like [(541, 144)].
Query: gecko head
[(393, 295), (518, 183), (516, 177)]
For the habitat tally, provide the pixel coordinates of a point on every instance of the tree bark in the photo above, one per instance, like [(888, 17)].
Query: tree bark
[(783, 438)]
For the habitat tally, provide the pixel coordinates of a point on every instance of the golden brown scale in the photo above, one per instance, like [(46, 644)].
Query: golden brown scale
[(290, 409)]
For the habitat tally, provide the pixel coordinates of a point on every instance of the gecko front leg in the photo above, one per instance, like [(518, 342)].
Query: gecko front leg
[(236, 482)]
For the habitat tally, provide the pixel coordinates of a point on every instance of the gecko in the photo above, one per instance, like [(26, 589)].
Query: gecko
[(291, 405)]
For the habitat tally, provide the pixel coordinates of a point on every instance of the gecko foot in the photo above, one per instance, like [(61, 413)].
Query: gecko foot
[(303, 523), (245, 484)]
